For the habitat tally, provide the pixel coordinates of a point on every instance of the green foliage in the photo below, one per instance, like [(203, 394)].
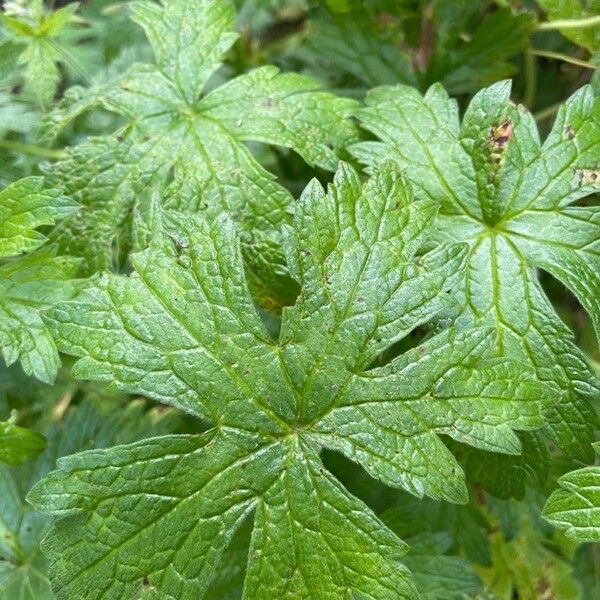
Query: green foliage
[(32, 281), (272, 405), (575, 507), (232, 366), (35, 30), (18, 444), (23, 568), (24, 207), (211, 168), (510, 198), (357, 44), (586, 35)]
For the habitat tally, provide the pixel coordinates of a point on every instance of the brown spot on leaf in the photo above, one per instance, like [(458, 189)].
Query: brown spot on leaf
[(569, 132), (589, 177), (501, 135), (269, 103), (544, 589)]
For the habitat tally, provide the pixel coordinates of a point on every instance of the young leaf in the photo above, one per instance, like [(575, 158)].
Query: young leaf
[(199, 139), (575, 508), (35, 29), (511, 198), (183, 329), (18, 444)]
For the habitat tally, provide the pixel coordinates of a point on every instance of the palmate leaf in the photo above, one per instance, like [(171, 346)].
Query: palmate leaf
[(34, 281), (511, 198), (193, 146), (155, 517), (575, 507), (458, 46)]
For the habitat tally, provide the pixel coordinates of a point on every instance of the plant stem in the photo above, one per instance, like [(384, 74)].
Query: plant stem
[(530, 65), (563, 57), (585, 23), (73, 62), (19, 147)]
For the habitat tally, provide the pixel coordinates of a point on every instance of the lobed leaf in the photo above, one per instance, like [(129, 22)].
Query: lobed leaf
[(575, 506), (28, 285), (192, 147), (155, 517), (510, 197)]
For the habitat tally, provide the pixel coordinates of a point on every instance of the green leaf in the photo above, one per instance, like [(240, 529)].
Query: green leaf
[(18, 444), (465, 524), (23, 569), (351, 44), (529, 564), (42, 75), (506, 476), (35, 280), (24, 207), (588, 37), (510, 198), (35, 30), (28, 285), (460, 44), (15, 115), (575, 507), (587, 566), (464, 61), (440, 576), (183, 330), (192, 147), (109, 177)]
